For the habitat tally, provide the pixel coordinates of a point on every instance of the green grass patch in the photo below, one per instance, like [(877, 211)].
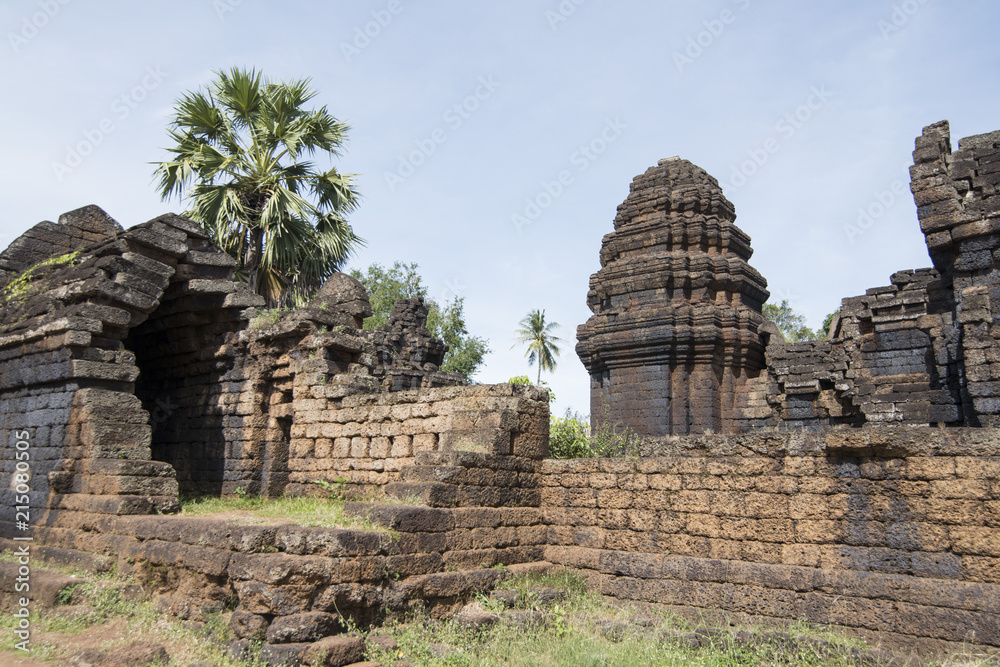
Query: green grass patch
[(267, 318), (301, 510), (575, 631)]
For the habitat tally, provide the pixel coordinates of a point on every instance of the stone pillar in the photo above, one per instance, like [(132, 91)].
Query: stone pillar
[(677, 308)]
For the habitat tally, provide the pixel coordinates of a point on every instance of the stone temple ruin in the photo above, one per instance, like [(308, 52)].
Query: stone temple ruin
[(677, 331), (677, 344), (853, 481)]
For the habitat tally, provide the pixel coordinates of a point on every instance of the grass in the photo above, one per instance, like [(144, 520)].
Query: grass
[(301, 510), (267, 318), (572, 635)]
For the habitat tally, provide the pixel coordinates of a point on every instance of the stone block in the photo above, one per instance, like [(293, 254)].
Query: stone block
[(335, 652), (249, 626), (305, 627), (267, 600)]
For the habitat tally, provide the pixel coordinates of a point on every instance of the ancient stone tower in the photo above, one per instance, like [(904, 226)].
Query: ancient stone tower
[(677, 309)]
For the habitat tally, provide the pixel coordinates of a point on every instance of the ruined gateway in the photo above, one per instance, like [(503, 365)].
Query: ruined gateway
[(813, 481)]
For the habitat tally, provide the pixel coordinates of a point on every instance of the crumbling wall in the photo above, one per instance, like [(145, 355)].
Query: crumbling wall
[(309, 373), (959, 214), (369, 440), (886, 530), (69, 365), (921, 350), (478, 482), (313, 580), (136, 368)]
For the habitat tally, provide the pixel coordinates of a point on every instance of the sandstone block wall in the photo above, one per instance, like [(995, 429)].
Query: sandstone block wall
[(372, 440), (894, 531)]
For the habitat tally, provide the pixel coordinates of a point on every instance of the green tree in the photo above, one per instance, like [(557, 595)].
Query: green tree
[(828, 322), (385, 286), (791, 323), (537, 333), (240, 156)]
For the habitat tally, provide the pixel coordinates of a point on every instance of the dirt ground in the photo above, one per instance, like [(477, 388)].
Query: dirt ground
[(56, 648)]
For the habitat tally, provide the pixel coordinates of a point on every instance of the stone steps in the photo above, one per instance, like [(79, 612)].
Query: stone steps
[(80, 560)]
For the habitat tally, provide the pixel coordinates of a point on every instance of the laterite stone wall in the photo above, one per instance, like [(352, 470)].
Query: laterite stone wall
[(890, 530)]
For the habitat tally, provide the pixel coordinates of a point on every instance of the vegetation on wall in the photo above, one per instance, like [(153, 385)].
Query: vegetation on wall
[(570, 437), (466, 352)]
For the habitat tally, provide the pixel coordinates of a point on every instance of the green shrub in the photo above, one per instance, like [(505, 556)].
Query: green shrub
[(613, 439), (569, 437)]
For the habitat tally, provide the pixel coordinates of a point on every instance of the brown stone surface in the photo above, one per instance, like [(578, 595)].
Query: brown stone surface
[(335, 652), (139, 654), (248, 626), (307, 627), (46, 587), (283, 655)]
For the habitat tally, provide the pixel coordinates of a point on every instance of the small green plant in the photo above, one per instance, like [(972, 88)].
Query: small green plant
[(266, 318), (336, 489), (493, 605), (525, 381), (557, 619), (241, 492), (66, 594)]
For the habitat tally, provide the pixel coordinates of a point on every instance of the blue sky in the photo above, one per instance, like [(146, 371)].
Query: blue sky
[(805, 112)]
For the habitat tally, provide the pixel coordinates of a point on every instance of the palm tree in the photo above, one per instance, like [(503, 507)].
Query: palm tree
[(541, 343), (240, 158)]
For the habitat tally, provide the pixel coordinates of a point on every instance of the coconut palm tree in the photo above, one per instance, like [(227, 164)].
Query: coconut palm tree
[(541, 343), (241, 158)]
